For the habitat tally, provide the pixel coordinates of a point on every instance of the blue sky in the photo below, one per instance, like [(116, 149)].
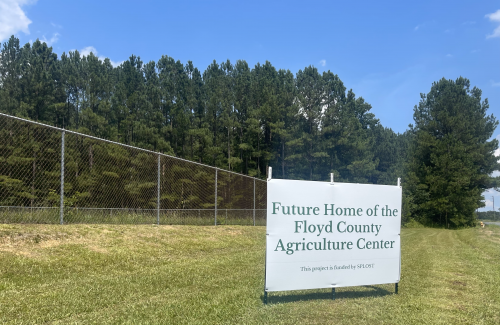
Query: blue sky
[(388, 52)]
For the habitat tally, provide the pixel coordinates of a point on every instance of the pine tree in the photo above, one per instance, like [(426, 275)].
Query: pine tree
[(10, 73), (452, 155), (308, 147), (287, 109), (243, 111)]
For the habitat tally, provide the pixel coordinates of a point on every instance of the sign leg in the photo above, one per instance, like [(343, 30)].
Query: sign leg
[(265, 297), (396, 288), (333, 293)]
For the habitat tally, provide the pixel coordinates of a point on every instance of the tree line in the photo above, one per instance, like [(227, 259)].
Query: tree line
[(488, 215), (245, 119), (230, 115)]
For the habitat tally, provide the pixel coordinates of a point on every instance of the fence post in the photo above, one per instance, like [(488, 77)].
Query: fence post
[(254, 201), (61, 207), (158, 195), (216, 196)]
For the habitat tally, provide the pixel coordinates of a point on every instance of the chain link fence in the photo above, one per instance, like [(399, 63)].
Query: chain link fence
[(51, 175)]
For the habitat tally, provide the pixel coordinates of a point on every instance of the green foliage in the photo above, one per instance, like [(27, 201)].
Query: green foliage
[(452, 159), (234, 117), (230, 116), (488, 215)]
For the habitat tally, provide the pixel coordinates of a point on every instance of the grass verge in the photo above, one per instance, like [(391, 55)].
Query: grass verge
[(145, 274)]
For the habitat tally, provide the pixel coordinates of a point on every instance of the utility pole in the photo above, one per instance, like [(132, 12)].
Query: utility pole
[(493, 203)]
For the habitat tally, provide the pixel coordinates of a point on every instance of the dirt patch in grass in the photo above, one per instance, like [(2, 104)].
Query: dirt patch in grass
[(459, 283)]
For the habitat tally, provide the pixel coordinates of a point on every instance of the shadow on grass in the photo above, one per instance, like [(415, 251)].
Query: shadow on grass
[(326, 294)]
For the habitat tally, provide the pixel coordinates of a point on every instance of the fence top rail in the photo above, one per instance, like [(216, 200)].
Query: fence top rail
[(26, 207), (84, 208), (124, 145)]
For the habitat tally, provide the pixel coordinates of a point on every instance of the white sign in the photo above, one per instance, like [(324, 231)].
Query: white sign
[(325, 235)]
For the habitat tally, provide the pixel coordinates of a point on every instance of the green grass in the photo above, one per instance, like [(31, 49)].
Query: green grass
[(145, 274), (124, 216)]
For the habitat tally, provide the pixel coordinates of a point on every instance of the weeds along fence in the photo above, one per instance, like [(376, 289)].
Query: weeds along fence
[(51, 175)]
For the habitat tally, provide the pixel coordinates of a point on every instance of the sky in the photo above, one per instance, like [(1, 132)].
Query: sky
[(388, 52)]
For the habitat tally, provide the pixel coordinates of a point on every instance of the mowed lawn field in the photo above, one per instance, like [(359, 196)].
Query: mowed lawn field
[(126, 274)]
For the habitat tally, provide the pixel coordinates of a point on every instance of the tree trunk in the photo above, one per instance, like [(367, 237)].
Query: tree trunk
[(91, 157), (283, 159), (258, 158), (34, 179)]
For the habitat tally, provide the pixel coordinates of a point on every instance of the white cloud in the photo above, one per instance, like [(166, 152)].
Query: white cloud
[(449, 55), (52, 40), (495, 17), (90, 49), (322, 63), (495, 84), (87, 50), (488, 201), (12, 18), (56, 25), (114, 63)]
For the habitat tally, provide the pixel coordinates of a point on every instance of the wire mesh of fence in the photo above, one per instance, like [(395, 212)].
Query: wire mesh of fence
[(50, 175)]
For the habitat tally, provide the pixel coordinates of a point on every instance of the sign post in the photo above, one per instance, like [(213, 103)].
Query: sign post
[(324, 236)]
